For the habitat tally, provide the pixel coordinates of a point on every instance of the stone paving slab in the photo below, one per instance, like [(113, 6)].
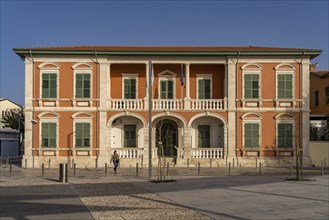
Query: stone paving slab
[(213, 195)]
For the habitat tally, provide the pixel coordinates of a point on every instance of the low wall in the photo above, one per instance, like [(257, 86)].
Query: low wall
[(319, 151)]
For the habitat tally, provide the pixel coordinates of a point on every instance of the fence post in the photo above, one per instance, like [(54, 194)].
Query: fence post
[(136, 169), (229, 168), (260, 168), (42, 170), (10, 169), (105, 169), (198, 169), (167, 168)]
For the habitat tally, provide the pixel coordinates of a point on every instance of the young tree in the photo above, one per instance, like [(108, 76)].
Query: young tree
[(162, 128)]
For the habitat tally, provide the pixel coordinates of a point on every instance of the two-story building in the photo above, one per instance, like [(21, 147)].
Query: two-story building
[(220, 103)]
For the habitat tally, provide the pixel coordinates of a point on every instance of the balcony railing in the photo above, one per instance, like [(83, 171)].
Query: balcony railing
[(208, 104), (127, 104), (207, 152), (168, 104)]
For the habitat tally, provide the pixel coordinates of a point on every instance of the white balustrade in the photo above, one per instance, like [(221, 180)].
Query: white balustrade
[(208, 104), (129, 104), (170, 104), (128, 152), (207, 152)]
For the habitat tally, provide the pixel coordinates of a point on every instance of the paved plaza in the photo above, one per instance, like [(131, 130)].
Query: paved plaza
[(212, 195)]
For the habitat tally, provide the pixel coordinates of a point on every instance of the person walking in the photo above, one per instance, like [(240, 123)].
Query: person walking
[(116, 160)]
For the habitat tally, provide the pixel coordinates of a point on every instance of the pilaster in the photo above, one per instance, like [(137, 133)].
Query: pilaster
[(305, 120), (231, 96)]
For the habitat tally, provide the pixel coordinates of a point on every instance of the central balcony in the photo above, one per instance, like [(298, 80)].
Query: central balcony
[(169, 104)]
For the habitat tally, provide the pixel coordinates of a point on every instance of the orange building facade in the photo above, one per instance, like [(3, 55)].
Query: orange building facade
[(218, 104)]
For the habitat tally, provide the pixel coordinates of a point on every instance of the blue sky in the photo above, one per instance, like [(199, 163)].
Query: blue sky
[(290, 23)]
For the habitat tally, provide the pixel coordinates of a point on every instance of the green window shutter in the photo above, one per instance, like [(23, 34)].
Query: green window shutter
[(207, 89), (130, 136), (251, 135), (201, 94), (130, 88), (163, 94), (285, 135), (170, 92), (204, 136), (82, 86), (251, 86), (78, 86), (285, 86), (48, 134), (49, 85), (82, 134)]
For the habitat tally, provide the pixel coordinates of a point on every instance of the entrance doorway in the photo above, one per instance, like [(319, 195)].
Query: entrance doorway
[(167, 136)]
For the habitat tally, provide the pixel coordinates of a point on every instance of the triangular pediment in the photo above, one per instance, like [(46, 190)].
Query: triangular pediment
[(167, 73)]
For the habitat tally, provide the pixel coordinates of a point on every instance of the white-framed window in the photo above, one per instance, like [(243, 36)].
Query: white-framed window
[(285, 81), (49, 80), (49, 134), (251, 131), (285, 131), (167, 84), (48, 130), (204, 86), (82, 130), (251, 82), (129, 86), (83, 81)]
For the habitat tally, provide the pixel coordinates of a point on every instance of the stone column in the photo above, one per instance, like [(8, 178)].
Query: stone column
[(187, 99), (231, 95), (305, 119), (187, 143), (104, 100)]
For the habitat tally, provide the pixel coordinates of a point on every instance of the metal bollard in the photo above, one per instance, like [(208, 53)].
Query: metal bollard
[(188, 163), (7, 161), (291, 169), (229, 168), (260, 168), (198, 169), (32, 161), (233, 163), (96, 163), (10, 169), (226, 162), (256, 162), (279, 163), (49, 164), (237, 162), (63, 174), (72, 163), (167, 168), (136, 169), (142, 162), (25, 163), (42, 170), (74, 169), (105, 174), (210, 162), (321, 168)]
